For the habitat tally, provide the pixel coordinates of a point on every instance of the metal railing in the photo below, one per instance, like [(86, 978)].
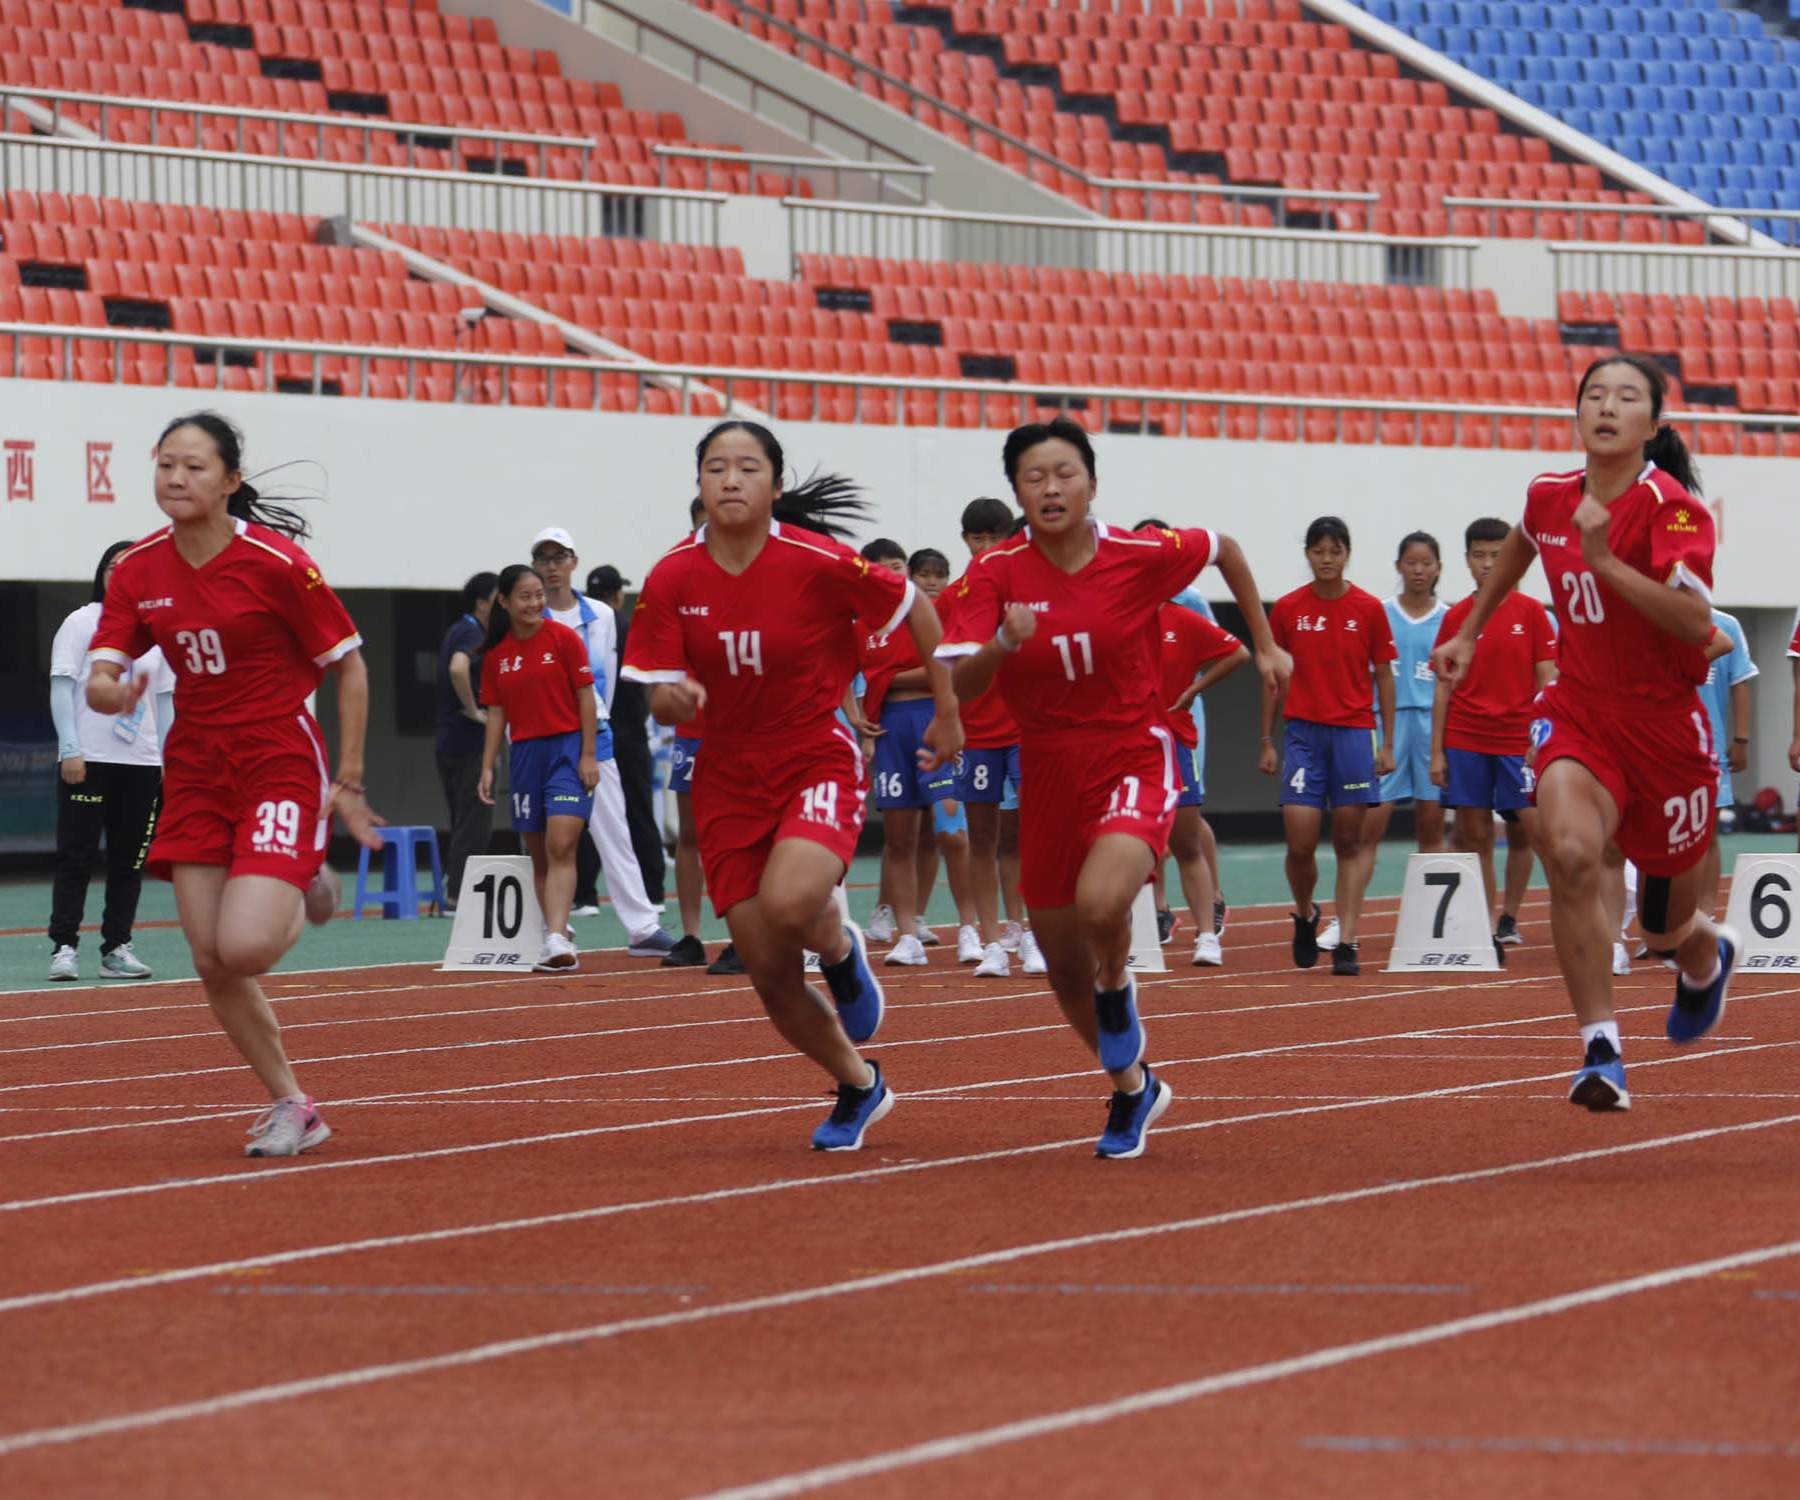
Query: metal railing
[(411, 195), (1702, 270), (914, 99), (476, 377), (819, 227), (788, 111), (291, 128), (1729, 223), (796, 169)]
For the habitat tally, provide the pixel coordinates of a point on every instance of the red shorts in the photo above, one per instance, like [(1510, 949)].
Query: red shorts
[(1655, 763), (1074, 788), (246, 796), (748, 796)]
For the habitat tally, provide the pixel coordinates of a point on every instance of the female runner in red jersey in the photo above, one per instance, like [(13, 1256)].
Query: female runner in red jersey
[(250, 628), (1064, 617), (1624, 746), (754, 619)]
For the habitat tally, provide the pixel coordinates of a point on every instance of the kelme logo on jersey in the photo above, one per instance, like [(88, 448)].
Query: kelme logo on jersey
[(1684, 520), (156, 604)]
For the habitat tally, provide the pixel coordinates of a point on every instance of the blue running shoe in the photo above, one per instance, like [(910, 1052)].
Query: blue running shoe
[(855, 989), (1130, 1116), (1600, 1085), (855, 1111), (1696, 1012), (1121, 1032)]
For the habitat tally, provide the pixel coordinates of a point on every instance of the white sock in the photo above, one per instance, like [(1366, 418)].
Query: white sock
[(1607, 1029)]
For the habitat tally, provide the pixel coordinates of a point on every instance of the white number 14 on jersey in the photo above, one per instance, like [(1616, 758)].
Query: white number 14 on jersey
[(743, 649)]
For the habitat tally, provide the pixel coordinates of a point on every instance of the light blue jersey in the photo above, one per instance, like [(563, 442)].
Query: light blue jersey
[(1414, 639), (1721, 676), (1191, 598)]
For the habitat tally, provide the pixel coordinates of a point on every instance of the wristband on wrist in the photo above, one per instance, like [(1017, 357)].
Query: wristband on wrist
[(1740, 739), (1001, 641)]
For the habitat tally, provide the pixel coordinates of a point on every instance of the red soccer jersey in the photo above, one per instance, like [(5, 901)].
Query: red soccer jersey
[(535, 682), (249, 635), (775, 645), (1490, 710), (987, 722), (881, 658), (1609, 652), (1093, 665), (1336, 645), (1189, 642), (1794, 644)]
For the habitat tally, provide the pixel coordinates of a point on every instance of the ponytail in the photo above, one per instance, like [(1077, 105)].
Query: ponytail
[(499, 621), (247, 504), (827, 503), (1667, 451)]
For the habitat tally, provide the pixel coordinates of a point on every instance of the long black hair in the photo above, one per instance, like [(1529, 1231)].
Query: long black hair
[(1665, 448), (499, 621), (829, 504), (106, 559), (245, 502)]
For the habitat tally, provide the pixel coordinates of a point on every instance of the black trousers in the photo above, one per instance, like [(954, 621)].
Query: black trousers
[(120, 801), (471, 819), (637, 784)]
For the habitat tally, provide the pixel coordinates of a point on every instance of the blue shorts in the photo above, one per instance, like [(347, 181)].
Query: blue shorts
[(1411, 776), (1477, 779), (949, 816), (1328, 765), (681, 765), (898, 780), (989, 776), (1193, 790), (546, 783)]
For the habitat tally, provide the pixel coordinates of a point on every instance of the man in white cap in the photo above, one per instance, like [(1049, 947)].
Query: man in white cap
[(553, 555)]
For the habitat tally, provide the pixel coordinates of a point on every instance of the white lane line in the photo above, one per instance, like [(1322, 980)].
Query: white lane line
[(340, 1380), (1330, 1357), (779, 1185)]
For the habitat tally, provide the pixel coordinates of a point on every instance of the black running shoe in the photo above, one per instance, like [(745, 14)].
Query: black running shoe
[(727, 962), (1165, 925), (1306, 940), (686, 954), (1508, 931), (1343, 960)]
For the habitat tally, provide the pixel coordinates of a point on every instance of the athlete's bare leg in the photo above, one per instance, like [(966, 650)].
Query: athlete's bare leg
[(1521, 841), (925, 863), (553, 867), (1190, 865), (1711, 873), (1303, 825), (984, 868), (792, 911), (1374, 830), (1355, 863), (1475, 835), (900, 853), (1209, 851), (1577, 819), (954, 848), (1088, 945), (1428, 825), (238, 928), (1009, 865), (690, 880)]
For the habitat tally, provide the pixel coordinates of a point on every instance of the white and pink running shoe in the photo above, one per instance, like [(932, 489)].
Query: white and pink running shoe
[(286, 1128)]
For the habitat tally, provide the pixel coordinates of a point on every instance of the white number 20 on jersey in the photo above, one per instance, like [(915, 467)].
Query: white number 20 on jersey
[(205, 651)]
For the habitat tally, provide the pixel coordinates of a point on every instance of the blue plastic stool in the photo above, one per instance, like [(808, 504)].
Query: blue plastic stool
[(399, 891)]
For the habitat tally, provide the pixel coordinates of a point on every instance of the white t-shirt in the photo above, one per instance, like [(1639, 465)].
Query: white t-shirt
[(128, 739), (602, 640)]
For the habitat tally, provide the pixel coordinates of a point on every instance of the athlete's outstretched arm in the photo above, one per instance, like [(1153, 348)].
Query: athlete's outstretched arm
[(1681, 612), (1451, 659), (1273, 663), (944, 734), (348, 799), (1384, 696), (109, 691), (974, 673)]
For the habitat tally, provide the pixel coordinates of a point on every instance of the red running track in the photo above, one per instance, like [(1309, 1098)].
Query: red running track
[(568, 1240)]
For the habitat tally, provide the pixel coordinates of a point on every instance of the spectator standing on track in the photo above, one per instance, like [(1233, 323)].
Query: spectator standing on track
[(1480, 731), (109, 782), (536, 686), (250, 628), (1624, 753), (1726, 694), (1331, 757), (754, 618), (1064, 619), (553, 556), (1793, 652), (631, 752), (460, 721)]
